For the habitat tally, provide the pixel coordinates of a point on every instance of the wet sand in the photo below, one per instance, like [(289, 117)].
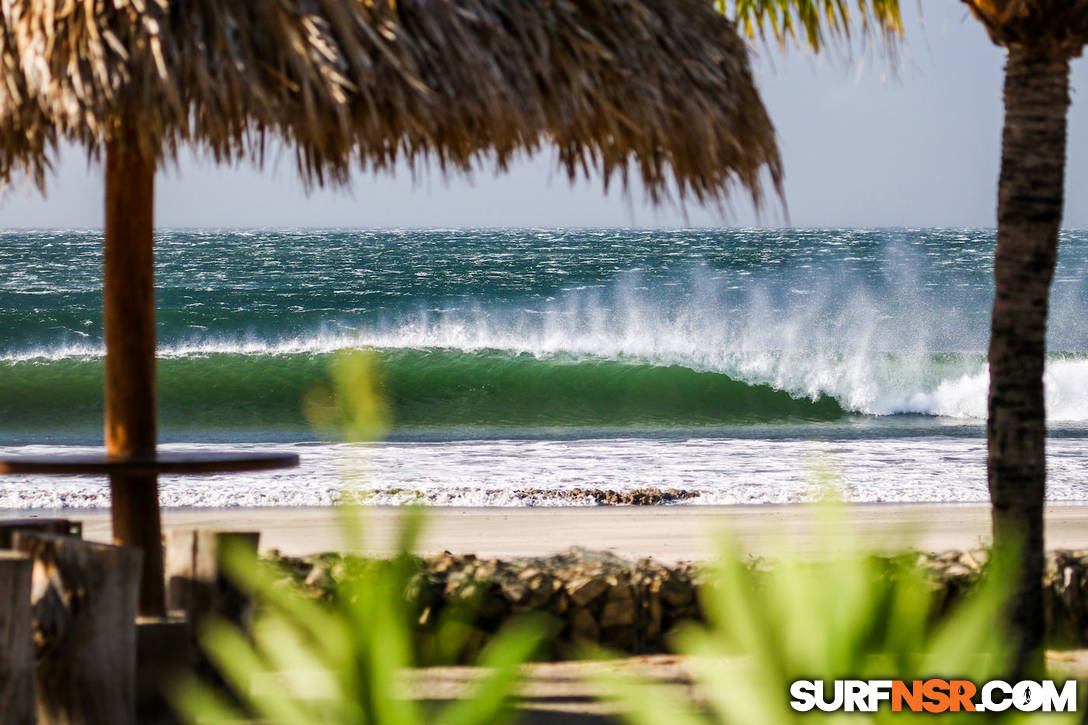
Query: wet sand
[(667, 533)]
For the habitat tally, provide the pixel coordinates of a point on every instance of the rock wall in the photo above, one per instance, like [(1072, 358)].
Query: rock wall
[(631, 606)]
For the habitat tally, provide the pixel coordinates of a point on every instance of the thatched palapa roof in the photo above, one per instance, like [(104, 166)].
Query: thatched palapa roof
[(659, 88)]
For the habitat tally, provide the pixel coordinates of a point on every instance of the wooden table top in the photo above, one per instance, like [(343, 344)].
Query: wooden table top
[(171, 463)]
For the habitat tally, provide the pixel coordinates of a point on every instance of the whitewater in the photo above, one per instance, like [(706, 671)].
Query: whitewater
[(745, 366)]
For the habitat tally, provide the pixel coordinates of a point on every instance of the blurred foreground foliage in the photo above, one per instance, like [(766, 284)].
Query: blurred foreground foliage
[(343, 661), (839, 614), (350, 406)]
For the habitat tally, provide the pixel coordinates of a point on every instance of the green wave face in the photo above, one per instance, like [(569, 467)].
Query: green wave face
[(441, 387), (427, 389)]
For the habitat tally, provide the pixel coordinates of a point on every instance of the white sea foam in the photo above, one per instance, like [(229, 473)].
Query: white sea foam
[(1065, 383), (497, 473)]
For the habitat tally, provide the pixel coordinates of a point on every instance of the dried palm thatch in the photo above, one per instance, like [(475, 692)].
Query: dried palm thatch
[(663, 87)]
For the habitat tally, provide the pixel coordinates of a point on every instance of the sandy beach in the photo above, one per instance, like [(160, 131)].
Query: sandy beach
[(668, 533)]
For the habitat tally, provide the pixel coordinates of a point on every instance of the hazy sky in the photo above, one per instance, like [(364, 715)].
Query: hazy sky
[(860, 149)]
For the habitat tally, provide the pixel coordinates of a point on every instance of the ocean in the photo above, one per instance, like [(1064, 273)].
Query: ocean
[(742, 366)]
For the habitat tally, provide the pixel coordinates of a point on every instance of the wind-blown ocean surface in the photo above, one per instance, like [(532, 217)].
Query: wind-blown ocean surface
[(744, 365)]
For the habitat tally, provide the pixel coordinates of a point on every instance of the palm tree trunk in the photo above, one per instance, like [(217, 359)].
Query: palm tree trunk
[(1030, 199), (129, 323)]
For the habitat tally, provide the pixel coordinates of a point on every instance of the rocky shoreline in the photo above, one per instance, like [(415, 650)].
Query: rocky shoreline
[(525, 496), (608, 497), (596, 598)]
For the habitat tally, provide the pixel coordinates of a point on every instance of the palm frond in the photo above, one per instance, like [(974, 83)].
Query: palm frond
[(815, 23)]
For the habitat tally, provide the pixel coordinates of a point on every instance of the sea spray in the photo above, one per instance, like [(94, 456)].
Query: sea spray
[(787, 327), (585, 345)]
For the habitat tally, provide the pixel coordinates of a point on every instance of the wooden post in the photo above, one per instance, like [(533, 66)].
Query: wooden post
[(16, 643), (195, 583), (83, 601), (165, 652), (8, 527), (129, 321)]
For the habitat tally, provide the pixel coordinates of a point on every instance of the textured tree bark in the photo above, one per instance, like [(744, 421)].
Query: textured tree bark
[(16, 645), (129, 321), (84, 624), (1030, 199)]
